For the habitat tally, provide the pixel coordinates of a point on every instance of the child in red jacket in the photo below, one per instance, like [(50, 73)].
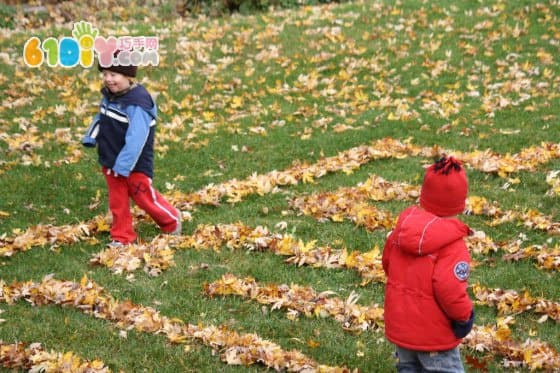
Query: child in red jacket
[(427, 308)]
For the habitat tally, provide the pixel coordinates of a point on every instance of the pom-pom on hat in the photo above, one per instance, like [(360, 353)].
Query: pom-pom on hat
[(445, 188), (129, 70)]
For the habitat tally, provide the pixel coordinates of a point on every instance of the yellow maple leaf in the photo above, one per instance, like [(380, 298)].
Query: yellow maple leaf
[(337, 217), (392, 116), (503, 334), (306, 247), (352, 260), (475, 204), (208, 116), (102, 225), (528, 356), (361, 96), (307, 178), (372, 255), (237, 102), (286, 246), (312, 343)]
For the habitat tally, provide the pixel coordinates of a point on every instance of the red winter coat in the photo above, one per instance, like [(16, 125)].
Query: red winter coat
[(427, 265)]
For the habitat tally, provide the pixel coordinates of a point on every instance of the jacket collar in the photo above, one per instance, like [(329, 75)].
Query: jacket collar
[(113, 96), (420, 232)]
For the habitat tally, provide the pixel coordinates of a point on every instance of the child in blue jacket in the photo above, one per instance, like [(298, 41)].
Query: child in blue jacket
[(124, 131)]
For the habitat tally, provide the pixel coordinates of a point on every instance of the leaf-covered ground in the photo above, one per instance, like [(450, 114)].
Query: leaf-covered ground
[(290, 140)]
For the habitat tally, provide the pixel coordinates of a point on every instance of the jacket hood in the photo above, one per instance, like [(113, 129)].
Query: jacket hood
[(136, 95), (419, 232)]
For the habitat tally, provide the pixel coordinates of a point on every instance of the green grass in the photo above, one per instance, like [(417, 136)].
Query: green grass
[(378, 49)]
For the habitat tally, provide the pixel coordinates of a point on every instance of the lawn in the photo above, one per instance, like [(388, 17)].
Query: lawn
[(290, 140)]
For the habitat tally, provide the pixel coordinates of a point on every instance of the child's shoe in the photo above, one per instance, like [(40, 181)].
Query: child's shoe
[(115, 244), (178, 230)]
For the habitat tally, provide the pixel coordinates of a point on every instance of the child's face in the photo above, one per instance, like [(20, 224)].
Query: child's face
[(115, 82)]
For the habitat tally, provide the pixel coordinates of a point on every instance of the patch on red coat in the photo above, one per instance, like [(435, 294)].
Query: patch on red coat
[(461, 270)]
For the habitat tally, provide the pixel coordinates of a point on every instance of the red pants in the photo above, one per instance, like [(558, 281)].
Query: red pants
[(138, 187)]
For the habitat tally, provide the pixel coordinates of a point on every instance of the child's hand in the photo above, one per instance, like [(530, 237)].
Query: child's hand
[(111, 172), (462, 328), (88, 141)]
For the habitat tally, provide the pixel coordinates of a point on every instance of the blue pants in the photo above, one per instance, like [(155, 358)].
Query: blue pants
[(410, 361)]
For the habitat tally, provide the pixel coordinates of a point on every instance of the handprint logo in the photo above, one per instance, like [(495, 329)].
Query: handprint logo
[(84, 44), (85, 34)]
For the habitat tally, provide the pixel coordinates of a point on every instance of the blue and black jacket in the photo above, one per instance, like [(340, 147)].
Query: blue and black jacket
[(123, 131)]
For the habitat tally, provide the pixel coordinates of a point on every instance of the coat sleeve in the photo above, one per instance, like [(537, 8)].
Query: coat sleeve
[(450, 277), (90, 138), (139, 123), (387, 253)]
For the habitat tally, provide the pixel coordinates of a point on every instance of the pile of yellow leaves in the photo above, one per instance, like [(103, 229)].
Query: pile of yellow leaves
[(239, 236), (547, 258), (527, 159), (476, 205), (42, 235), (346, 161), (35, 359), (351, 202), (322, 207), (90, 298), (302, 299), (368, 264), (486, 161), (348, 203), (156, 256), (480, 243), (531, 219), (497, 339), (512, 302)]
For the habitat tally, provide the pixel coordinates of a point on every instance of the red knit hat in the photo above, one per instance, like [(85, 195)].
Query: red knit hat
[(445, 188)]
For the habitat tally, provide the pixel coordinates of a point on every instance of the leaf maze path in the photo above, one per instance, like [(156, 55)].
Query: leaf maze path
[(234, 191), (157, 255), (491, 339), (93, 300), (35, 358)]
